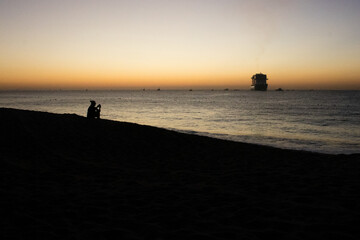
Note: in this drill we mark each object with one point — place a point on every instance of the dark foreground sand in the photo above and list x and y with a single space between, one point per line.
67 177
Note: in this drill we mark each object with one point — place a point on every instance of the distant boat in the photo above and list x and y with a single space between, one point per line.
279 89
158 89
259 82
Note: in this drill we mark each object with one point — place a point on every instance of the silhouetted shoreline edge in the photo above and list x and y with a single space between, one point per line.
68 177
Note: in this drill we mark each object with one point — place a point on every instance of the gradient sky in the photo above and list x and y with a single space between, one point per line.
132 44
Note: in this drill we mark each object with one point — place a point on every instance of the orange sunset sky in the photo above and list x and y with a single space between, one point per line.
200 44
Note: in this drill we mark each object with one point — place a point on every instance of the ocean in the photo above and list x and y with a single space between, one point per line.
318 121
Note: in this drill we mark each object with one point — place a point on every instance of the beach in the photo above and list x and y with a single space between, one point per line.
67 177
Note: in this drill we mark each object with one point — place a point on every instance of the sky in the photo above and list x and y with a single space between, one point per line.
179 44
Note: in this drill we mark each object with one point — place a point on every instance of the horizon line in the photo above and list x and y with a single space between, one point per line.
164 89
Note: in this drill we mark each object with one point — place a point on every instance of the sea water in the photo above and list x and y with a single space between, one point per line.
319 121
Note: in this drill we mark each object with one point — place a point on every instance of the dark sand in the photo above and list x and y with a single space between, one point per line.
67 177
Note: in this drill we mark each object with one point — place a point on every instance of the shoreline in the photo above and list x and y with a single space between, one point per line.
68 177
230 138
218 136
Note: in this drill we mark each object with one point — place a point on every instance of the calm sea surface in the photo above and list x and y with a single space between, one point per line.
320 121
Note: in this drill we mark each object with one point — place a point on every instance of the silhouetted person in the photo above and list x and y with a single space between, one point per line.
94 112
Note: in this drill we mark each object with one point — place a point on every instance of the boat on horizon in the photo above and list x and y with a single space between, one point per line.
259 82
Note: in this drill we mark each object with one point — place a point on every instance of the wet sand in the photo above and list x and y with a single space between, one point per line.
66 177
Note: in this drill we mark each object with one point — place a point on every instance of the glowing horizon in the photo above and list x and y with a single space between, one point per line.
179 44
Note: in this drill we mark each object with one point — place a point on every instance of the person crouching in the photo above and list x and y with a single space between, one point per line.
93 112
